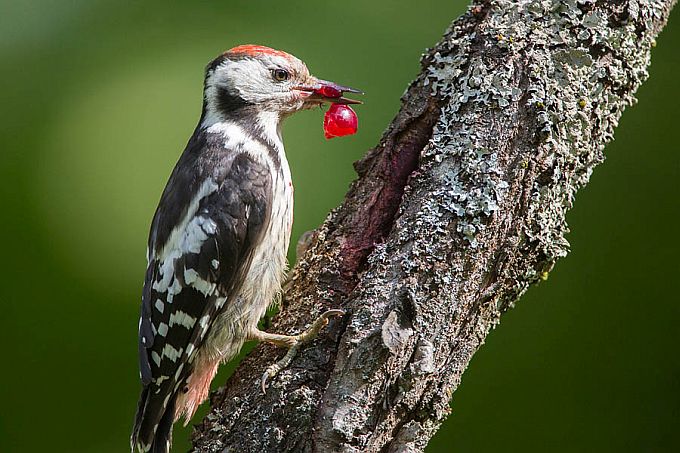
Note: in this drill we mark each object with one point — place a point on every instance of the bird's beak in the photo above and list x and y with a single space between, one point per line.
321 91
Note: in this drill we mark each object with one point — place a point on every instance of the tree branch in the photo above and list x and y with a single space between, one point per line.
455 213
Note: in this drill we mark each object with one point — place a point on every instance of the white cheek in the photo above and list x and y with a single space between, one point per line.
249 78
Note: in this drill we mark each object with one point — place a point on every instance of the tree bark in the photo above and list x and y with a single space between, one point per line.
457 211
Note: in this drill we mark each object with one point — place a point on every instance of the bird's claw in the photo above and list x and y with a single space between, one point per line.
274 369
317 325
300 339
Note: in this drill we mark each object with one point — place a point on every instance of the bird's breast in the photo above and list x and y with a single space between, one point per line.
269 265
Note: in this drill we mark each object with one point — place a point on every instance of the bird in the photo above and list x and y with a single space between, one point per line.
216 255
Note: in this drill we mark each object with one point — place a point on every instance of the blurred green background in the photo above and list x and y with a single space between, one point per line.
98 99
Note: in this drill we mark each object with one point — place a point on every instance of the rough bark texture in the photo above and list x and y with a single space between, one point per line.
455 213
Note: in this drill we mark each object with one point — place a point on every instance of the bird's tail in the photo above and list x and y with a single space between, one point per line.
152 432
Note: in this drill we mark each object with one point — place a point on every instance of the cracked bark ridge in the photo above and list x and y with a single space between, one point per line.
457 211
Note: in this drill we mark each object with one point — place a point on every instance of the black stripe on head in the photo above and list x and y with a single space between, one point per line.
224 57
229 102
214 64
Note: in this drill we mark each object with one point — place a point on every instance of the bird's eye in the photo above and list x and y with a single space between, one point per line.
280 75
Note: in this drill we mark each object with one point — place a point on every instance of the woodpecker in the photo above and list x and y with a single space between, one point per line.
219 237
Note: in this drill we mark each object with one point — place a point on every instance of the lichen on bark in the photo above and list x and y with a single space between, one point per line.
455 213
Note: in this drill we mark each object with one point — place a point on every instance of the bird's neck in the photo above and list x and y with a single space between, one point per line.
227 109
259 131
262 123
269 123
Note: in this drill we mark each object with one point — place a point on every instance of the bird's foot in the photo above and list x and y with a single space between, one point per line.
292 342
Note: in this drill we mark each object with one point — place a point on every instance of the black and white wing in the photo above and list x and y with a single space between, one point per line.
212 212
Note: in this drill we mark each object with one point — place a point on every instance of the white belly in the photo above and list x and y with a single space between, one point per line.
262 284
268 269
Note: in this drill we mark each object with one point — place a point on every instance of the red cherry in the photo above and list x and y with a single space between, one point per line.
339 120
329 91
